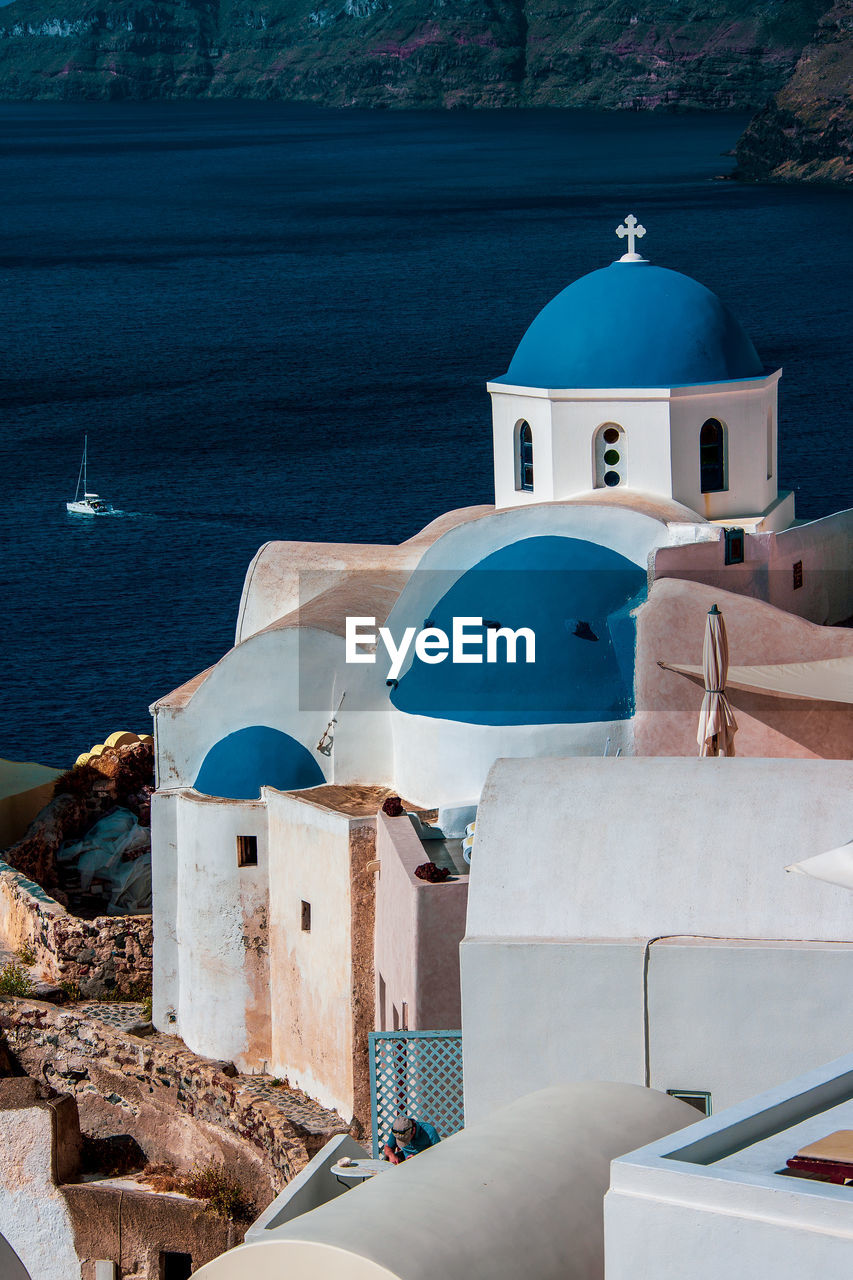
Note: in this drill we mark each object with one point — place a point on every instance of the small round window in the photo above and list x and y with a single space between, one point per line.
609 461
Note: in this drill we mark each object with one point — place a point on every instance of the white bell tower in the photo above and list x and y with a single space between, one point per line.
636 377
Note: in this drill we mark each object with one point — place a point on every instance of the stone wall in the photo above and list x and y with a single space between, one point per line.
134 1228
60 1226
362 847
180 1108
107 955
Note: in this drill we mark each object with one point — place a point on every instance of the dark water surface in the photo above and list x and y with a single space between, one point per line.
277 322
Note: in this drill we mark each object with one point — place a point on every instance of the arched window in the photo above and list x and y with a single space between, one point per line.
712 457
523 456
610 460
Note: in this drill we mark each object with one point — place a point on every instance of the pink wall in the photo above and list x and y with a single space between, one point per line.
418 930
671 627
825 548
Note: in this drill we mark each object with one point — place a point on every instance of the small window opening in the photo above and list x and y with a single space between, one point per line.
175 1266
712 457
770 449
609 449
306 917
524 456
697 1098
247 851
798 575
734 546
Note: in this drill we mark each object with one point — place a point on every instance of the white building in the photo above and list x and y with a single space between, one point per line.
641 912
686 1207
609 550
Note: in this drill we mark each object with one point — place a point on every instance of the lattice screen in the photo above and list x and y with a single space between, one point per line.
416 1073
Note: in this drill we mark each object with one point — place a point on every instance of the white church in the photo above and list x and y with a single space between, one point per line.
635 487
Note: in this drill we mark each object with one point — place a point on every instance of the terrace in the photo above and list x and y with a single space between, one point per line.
730 1188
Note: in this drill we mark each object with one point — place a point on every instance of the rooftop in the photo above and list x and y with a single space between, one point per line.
747 1147
588 335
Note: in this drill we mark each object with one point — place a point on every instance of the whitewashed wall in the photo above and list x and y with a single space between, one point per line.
743 408
582 868
659 846
655 1240
417 933
34 1215
536 408
721 1013
563 425
164 906
824 547
223 1008
290 679
679 1209
311 977
538 1012
438 762
660 445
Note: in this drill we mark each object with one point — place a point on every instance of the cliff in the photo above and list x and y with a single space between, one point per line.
806 132
407 53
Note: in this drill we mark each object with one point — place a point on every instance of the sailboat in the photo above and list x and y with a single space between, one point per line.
89 504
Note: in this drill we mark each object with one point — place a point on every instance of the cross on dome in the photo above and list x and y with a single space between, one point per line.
634 231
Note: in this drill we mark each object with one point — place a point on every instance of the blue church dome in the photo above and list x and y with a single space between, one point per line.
578 598
238 766
633 325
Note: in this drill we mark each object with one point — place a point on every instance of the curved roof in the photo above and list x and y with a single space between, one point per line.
517 1194
575 598
237 766
633 325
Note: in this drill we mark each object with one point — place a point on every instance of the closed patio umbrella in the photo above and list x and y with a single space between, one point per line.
717 725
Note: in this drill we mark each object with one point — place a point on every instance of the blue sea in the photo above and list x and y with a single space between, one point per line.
278 322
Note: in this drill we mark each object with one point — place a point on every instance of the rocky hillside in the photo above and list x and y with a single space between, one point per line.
806 132
730 54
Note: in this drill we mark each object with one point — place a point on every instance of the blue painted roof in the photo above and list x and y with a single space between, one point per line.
238 766
578 599
633 325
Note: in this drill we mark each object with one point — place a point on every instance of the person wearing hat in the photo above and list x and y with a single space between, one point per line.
407 1138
